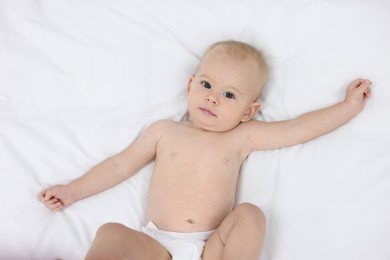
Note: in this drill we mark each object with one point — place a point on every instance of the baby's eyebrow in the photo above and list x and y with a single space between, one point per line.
204 76
235 89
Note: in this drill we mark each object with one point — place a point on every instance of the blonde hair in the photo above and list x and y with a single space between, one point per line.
242 51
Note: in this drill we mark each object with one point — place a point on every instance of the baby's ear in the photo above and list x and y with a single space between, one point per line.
251 111
189 82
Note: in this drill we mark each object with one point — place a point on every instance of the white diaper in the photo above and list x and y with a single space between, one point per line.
181 246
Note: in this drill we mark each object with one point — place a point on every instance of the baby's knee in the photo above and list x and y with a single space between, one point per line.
251 213
109 229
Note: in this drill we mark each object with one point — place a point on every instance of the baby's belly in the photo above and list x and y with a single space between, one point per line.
179 210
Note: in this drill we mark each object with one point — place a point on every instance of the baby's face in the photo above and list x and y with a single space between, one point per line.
223 92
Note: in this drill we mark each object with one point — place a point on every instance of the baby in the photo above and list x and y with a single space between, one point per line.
192 189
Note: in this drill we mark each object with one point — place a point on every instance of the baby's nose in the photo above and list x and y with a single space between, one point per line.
213 99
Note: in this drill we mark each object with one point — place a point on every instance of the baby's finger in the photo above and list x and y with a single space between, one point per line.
57 206
41 195
54 204
362 87
356 83
51 202
367 92
48 195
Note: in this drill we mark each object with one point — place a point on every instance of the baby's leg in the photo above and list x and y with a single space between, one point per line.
116 241
240 236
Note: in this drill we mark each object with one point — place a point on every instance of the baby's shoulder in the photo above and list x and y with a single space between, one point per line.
156 130
162 126
249 126
163 123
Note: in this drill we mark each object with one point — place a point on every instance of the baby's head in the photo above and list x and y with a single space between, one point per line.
226 85
241 52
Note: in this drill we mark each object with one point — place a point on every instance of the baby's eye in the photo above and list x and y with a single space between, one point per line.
229 95
205 84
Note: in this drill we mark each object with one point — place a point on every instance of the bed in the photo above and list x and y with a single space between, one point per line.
80 79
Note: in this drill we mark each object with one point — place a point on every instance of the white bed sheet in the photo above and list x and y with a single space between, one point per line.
80 79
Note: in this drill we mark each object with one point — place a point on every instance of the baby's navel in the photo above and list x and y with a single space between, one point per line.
191 221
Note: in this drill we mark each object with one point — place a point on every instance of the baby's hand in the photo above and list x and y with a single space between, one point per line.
357 92
57 197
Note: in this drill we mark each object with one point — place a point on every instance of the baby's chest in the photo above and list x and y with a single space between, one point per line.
201 151
200 158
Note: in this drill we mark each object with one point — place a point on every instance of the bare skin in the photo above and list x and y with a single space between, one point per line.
198 161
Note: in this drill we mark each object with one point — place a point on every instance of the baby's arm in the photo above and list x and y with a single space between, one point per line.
106 174
263 135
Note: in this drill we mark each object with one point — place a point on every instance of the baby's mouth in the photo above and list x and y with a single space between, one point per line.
207 112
